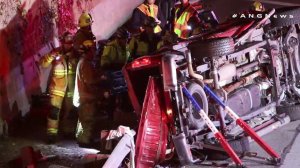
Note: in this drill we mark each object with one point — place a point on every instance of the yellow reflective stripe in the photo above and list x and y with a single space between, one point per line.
60 70
182 19
52 130
70 94
71 72
157 29
58 93
152 14
52 126
49 59
177 31
59 73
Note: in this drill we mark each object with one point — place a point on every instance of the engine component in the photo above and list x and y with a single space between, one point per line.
194 119
226 73
213 128
245 99
169 72
245 68
243 81
256 121
183 149
276 159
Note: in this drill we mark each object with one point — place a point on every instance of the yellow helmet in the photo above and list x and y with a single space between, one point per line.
88 43
258 6
85 19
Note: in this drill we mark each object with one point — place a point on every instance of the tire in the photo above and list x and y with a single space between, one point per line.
240 146
195 120
212 47
287 11
292 111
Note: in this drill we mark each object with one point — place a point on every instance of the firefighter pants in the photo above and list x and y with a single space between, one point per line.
91 121
66 121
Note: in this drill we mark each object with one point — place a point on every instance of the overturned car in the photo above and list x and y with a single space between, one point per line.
194 98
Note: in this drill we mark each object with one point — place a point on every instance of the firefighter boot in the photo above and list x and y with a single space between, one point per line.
52 130
85 128
68 119
52 125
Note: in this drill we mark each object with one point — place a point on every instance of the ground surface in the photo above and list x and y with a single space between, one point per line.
31 131
284 140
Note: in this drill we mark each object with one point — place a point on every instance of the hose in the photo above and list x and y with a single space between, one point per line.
199 80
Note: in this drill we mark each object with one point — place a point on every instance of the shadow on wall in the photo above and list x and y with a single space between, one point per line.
108 15
20 41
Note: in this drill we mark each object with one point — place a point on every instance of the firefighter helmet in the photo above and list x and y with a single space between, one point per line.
258 6
88 43
85 20
122 33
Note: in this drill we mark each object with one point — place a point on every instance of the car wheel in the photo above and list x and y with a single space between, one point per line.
288 20
212 47
292 111
195 120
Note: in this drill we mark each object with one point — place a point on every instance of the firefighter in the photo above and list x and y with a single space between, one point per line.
146 42
115 53
185 20
91 84
167 39
84 33
257 7
64 62
145 10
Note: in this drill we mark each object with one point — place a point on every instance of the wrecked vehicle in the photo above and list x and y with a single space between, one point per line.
251 65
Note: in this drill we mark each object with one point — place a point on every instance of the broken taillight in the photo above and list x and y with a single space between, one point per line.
141 62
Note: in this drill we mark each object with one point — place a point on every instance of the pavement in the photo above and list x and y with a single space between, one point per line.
284 140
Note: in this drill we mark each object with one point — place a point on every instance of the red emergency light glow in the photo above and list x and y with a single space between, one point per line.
141 62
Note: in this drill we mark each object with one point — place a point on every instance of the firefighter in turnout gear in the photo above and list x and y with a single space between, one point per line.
257 6
185 20
145 10
84 33
146 42
90 95
61 87
115 53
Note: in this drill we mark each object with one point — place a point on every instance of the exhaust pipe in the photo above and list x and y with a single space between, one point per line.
190 67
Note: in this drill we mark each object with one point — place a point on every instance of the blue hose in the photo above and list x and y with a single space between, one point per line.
214 96
191 98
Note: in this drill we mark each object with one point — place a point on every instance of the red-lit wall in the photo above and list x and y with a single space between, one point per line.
27 28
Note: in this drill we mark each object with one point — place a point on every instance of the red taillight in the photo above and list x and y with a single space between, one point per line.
141 62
